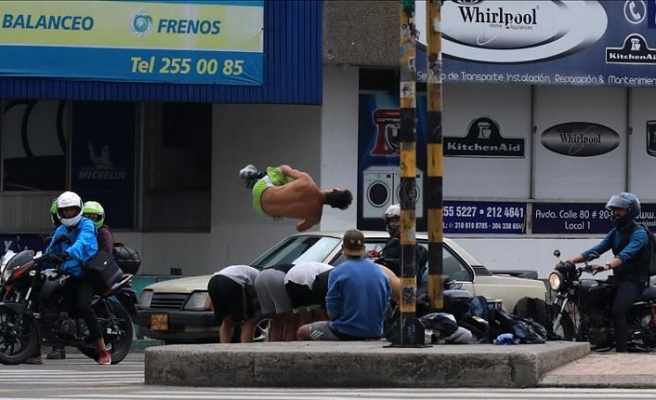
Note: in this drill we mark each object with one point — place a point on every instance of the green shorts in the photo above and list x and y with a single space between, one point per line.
274 177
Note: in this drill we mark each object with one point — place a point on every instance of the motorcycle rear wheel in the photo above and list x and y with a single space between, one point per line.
17 348
119 341
565 328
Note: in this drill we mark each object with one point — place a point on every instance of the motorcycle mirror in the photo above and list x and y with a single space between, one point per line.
556 253
593 256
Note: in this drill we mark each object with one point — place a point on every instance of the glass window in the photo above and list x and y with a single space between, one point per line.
34 135
175 135
298 249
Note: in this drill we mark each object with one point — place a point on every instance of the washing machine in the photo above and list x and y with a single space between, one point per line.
377 190
419 201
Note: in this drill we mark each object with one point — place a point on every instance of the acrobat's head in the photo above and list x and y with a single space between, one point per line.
338 198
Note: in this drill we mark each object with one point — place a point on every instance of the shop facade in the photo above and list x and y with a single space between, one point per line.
544 119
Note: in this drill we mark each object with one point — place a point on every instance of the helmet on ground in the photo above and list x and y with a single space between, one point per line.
94 211
53 214
392 219
626 201
67 200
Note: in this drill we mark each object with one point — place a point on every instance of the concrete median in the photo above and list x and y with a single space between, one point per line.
355 364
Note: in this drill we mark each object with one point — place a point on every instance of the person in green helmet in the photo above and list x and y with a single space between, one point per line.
53 214
95 212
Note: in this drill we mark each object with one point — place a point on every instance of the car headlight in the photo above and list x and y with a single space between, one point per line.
556 281
197 301
145 299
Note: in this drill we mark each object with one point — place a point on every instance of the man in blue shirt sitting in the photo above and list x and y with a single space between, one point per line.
358 296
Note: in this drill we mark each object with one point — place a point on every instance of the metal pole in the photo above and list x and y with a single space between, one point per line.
412 333
434 188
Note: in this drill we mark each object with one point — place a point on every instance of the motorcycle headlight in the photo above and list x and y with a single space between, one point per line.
556 281
6 274
197 301
145 298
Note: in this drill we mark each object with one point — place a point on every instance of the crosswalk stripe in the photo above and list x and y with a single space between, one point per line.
381 394
105 376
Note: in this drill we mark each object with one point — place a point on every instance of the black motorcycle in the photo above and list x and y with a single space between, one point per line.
35 307
581 310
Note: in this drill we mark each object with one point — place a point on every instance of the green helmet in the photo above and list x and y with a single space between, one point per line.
54 217
93 210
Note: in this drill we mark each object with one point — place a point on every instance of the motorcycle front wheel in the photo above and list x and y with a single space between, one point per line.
18 341
564 329
117 329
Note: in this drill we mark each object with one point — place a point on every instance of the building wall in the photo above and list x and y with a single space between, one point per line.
339 141
262 135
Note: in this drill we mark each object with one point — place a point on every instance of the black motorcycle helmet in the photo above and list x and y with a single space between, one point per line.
626 201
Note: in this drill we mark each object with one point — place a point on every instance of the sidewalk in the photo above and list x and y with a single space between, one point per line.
605 370
356 364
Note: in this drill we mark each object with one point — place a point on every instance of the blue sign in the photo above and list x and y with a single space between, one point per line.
103 158
481 217
379 175
199 42
546 42
581 218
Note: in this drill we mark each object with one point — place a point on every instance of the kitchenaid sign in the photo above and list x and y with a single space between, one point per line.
520 31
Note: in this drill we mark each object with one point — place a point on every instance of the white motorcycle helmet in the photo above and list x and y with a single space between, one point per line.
69 199
392 211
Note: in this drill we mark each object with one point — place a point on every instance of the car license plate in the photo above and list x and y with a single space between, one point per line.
159 322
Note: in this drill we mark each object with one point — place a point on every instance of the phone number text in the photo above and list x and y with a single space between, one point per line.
486 212
185 66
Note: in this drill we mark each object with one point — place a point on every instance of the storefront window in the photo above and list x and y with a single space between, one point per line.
177 166
34 136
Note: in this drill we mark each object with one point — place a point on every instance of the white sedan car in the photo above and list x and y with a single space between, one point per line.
178 310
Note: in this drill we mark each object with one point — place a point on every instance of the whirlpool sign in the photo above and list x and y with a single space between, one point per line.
543 42
195 41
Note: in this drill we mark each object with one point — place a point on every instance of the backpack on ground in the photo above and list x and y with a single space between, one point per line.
524 329
535 309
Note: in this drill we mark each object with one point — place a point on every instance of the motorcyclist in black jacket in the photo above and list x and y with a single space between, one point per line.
391 252
630 246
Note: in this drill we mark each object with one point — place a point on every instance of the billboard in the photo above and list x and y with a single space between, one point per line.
570 42
193 42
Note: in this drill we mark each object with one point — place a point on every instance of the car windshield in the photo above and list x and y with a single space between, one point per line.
298 249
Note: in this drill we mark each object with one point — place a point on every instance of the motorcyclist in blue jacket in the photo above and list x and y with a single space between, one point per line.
79 247
630 246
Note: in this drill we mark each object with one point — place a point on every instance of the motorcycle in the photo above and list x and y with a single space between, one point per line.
581 310
35 307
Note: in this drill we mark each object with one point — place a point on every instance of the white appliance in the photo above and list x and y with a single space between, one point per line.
381 186
377 190
419 200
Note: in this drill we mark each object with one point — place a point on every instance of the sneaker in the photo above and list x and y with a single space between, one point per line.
247 172
250 175
105 359
58 353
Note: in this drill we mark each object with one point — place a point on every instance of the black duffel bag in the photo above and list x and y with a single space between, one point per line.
127 258
104 269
